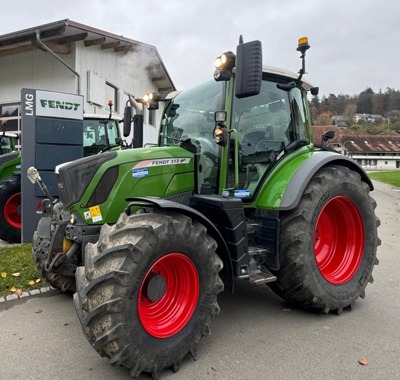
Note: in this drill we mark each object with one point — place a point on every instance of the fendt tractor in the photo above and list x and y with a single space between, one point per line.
235 190
100 133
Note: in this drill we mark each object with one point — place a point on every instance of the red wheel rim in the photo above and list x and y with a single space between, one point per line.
339 240
165 317
12 211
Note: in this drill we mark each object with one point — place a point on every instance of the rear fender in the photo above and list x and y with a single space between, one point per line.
302 176
222 250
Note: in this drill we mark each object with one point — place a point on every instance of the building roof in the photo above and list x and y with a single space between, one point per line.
360 143
59 35
370 143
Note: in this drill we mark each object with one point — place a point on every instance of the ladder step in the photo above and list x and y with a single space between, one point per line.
261 277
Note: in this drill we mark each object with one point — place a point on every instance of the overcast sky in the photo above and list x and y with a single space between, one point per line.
355 44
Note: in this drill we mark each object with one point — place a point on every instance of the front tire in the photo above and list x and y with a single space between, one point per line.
10 209
328 243
148 290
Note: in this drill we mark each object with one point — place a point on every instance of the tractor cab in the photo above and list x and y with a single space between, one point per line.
8 141
258 126
100 133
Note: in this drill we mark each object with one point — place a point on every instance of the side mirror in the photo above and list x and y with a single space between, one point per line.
314 91
328 135
248 69
127 121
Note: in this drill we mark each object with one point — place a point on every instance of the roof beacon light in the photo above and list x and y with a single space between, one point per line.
303 45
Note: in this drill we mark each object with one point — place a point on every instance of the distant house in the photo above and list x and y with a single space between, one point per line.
373 152
369 118
340 121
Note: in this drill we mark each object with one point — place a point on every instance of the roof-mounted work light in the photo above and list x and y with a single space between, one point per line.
224 65
151 100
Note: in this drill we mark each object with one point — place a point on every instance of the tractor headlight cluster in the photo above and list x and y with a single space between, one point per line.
151 100
220 132
224 65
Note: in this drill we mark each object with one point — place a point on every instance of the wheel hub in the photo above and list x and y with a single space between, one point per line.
155 287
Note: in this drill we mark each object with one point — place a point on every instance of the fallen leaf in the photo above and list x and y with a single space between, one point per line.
3 274
18 292
17 274
38 311
31 282
363 361
38 280
13 289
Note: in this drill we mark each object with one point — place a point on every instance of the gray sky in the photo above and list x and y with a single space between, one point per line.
354 43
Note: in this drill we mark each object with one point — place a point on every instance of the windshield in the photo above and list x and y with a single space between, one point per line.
98 134
189 122
6 144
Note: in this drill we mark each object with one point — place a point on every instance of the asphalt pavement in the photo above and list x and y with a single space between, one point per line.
256 336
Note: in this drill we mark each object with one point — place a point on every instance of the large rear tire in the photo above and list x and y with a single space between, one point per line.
10 209
148 290
328 243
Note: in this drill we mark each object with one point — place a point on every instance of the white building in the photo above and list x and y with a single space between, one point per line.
65 56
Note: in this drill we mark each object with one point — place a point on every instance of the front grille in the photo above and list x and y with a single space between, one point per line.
74 177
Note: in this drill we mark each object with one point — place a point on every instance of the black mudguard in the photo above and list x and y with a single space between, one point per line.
306 171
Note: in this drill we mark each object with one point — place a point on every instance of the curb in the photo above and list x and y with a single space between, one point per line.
33 292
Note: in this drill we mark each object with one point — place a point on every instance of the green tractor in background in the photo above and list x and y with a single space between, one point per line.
10 162
100 133
235 189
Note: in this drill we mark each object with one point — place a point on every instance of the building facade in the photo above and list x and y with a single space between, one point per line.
66 56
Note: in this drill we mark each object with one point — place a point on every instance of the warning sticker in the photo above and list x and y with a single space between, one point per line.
140 173
87 215
96 214
162 162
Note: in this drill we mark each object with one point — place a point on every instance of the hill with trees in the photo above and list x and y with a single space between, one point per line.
385 104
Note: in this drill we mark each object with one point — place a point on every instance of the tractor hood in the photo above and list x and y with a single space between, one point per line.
96 187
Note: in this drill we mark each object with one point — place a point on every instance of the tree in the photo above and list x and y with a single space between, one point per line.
364 102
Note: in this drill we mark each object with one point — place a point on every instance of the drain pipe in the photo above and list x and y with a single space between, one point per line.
42 46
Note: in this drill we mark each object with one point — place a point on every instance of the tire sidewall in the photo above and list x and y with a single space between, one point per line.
353 191
184 337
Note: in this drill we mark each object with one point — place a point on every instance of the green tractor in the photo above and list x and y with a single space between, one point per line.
10 162
147 238
100 133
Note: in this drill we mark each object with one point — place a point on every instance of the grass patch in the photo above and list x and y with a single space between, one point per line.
17 270
391 177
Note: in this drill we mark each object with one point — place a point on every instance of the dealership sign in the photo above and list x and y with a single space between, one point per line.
60 105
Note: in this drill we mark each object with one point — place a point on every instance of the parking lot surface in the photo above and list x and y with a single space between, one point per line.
256 336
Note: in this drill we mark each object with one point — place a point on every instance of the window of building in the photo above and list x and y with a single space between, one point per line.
10 114
152 117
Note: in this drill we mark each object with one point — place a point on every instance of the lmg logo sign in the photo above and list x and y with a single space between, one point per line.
56 104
